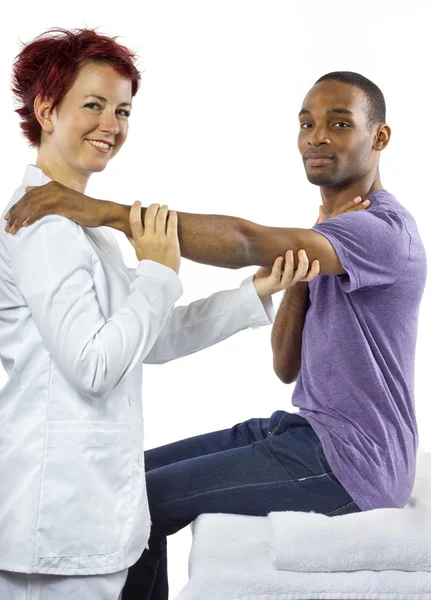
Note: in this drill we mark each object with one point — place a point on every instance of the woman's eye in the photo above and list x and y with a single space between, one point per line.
93 105
123 112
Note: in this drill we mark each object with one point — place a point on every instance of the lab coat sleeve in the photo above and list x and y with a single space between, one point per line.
53 265
132 274
209 321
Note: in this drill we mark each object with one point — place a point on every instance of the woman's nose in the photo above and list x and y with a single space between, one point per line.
109 123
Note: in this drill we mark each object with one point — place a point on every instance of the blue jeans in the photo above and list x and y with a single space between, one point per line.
256 467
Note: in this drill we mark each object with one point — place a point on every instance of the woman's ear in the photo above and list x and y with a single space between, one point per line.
42 111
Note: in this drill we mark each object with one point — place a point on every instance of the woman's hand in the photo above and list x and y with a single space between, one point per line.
269 281
158 241
54 198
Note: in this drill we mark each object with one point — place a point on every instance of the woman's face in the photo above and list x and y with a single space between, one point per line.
90 124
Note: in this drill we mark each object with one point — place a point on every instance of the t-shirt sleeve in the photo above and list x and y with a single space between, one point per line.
373 247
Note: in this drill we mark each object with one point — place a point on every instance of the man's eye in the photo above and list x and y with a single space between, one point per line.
305 125
341 125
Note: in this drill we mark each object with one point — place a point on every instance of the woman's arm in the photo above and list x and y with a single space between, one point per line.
53 267
209 321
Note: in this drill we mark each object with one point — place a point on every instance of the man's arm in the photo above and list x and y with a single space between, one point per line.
211 239
233 242
286 335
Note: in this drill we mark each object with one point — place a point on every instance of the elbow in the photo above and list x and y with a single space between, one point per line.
286 377
90 382
94 390
286 373
245 253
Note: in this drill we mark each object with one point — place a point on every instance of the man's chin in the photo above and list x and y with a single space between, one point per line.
321 179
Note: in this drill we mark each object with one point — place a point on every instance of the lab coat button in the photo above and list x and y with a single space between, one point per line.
130 400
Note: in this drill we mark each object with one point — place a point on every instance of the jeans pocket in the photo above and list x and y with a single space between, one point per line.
276 421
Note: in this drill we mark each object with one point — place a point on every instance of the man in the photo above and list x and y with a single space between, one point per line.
348 337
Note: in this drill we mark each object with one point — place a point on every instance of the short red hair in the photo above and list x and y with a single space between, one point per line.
49 64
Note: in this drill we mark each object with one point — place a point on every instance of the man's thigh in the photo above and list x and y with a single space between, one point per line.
237 436
286 471
21 586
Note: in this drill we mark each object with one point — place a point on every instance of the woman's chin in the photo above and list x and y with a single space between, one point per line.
95 166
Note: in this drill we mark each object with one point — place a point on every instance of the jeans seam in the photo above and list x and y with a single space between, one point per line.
236 487
272 432
328 514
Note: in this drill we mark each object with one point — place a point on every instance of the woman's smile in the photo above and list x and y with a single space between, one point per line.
100 146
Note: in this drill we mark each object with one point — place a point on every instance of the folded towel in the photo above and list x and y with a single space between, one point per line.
230 560
376 540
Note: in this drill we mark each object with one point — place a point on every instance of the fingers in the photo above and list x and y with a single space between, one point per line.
303 271
288 271
351 206
313 272
135 219
160 219
172 225
362 205
150 217
302 267
276 271
12 212
357 204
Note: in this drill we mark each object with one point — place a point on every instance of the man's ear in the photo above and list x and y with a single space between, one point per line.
382 137
42 111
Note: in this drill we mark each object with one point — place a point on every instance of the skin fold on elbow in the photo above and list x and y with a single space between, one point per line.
286 373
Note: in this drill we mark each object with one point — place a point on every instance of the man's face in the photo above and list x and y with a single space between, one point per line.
335 140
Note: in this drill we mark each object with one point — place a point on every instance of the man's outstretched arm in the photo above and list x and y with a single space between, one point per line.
211 239
233 242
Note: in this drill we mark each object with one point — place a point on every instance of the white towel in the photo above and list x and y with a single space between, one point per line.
376 540
230 560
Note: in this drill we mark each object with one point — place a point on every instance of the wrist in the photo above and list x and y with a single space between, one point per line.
259 288
299 289
114 215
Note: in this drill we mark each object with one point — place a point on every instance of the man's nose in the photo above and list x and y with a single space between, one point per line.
319 136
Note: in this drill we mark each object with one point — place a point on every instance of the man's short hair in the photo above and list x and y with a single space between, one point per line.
375 99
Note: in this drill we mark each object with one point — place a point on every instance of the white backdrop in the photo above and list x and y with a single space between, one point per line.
214 130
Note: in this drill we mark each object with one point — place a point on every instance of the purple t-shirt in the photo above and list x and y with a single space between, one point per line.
355 386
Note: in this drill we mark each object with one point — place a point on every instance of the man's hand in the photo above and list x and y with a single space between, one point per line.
269 281
53 198
351 206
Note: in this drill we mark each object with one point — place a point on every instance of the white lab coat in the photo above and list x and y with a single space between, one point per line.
75 327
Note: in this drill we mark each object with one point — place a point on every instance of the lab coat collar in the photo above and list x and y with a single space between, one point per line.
35 176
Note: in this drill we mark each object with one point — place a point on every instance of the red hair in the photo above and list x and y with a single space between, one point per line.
49 64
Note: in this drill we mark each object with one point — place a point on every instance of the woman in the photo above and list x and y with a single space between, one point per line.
76 327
